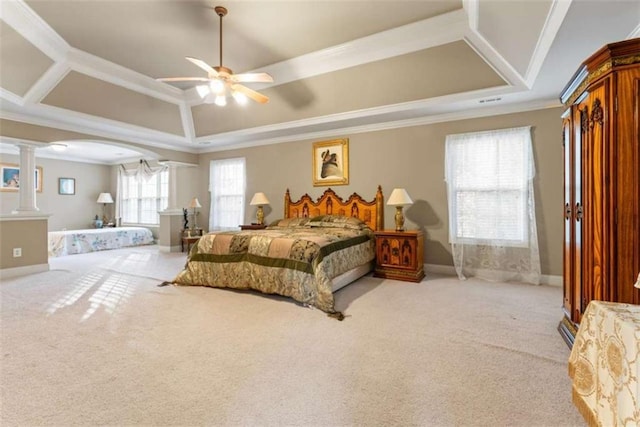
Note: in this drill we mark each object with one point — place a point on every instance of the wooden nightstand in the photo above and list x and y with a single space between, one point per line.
190 236
399 255
253 226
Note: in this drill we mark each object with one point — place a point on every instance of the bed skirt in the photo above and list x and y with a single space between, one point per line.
71 242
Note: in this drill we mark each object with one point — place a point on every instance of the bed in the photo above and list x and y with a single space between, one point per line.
317 248
71 242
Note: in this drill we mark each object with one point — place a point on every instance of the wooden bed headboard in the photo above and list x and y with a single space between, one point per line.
371 213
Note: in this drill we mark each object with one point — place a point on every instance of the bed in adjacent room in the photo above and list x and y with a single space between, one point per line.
319 247
71 242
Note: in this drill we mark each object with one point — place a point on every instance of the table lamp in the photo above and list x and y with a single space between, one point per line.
104 198
399 198
194 204
259 199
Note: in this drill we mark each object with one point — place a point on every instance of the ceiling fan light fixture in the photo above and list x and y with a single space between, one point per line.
221 100
203 90
216 86
220 77
240 98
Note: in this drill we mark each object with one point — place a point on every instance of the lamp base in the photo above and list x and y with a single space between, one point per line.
260 215
399 219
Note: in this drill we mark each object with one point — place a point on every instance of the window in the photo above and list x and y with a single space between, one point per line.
488 178
227 185
492 220
142 197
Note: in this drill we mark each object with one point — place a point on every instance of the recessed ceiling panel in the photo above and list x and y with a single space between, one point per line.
79 92
439 71
153 37
21 63
513 28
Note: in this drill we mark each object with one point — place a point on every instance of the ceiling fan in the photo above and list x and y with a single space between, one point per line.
221 79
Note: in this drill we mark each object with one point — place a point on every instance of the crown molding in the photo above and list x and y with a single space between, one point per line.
388 125
635 33
357 114
45 84
436 31
73 121
7 95
555 18
32 27
110 72
496 61
187 121
472 7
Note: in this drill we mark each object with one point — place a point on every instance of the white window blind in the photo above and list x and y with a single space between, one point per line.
143 197
489 179
488 174
227 186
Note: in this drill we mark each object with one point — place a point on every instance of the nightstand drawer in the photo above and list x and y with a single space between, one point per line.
399 255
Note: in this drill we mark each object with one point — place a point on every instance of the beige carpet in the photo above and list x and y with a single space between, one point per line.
95 342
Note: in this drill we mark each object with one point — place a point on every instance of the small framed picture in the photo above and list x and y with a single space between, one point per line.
67 186
331 162
10 174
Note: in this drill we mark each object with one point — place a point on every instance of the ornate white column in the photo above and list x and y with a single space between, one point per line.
27 190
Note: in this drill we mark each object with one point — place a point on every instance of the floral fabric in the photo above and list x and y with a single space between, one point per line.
296 262
605 364
71 242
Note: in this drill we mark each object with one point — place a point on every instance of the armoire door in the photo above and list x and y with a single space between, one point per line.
597 196
568 285
627 195
579 163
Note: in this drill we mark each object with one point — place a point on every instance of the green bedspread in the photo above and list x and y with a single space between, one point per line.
298 262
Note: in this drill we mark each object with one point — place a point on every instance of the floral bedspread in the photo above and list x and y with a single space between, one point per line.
298 262
70 242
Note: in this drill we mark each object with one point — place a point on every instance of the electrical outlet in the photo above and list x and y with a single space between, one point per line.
17 252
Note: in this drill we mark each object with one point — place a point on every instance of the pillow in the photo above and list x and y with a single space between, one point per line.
290 222
338 221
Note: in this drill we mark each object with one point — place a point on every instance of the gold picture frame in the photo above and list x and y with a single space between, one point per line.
330 160
10 174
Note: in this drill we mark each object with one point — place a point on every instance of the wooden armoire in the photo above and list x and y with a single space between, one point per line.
601 143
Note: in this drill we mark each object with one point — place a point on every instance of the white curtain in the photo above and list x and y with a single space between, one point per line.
227 187
492 222
143 172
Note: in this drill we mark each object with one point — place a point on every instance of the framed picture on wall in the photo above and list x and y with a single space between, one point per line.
331 162
67 186
10 174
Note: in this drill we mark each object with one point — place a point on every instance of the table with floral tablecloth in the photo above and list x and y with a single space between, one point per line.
605 364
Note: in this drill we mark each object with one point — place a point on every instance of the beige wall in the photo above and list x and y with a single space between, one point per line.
67 211
28 234
412 158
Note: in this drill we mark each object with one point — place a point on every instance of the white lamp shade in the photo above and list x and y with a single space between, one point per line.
399 197
105 198
259 199
195 203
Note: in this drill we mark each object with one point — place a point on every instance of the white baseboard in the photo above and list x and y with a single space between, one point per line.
176 248
449 270
7 273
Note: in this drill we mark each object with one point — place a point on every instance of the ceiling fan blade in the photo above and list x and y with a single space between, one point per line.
252 78
200 63
256 96
183 79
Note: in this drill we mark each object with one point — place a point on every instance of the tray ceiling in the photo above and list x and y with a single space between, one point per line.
339 67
